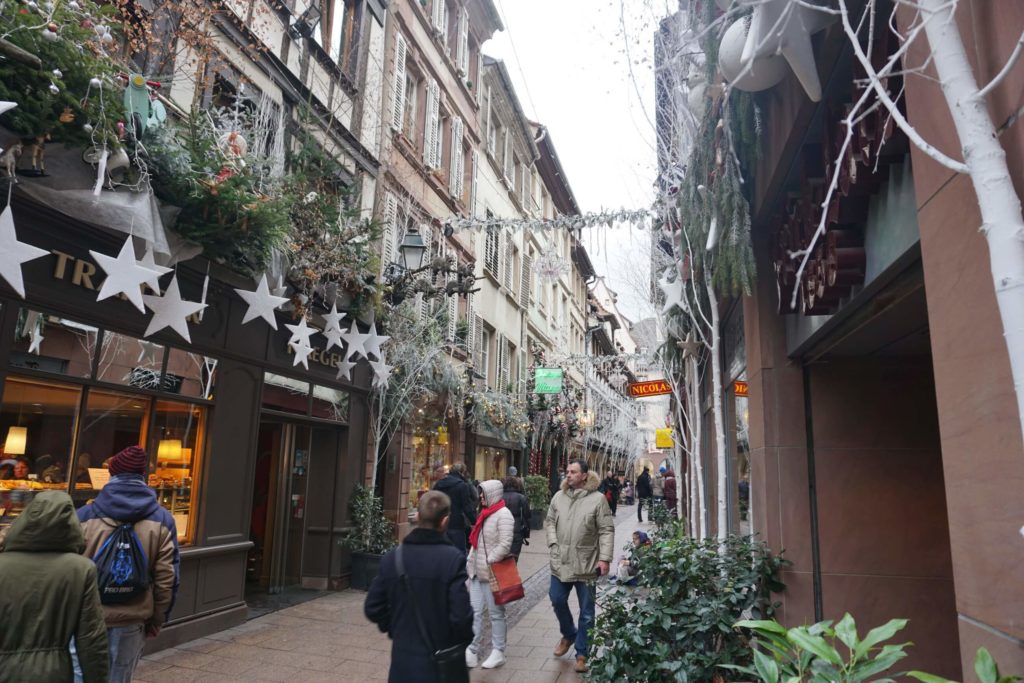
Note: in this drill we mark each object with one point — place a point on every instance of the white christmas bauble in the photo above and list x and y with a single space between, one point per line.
87 128
49 35
32 6
106 38
57 73
54 90
764 73
74 6
95 83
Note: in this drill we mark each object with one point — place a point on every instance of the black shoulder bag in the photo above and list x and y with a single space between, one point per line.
449 663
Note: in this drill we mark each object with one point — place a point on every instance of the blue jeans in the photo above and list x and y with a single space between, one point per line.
559 594
125 644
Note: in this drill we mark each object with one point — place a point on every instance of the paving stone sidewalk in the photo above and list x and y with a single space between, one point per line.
328 639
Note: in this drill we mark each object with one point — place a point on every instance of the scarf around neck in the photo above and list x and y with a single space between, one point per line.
474 535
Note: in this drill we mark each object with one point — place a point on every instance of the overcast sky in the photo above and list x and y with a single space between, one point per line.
568 60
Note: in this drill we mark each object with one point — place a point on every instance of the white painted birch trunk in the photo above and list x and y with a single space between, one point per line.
697 425
1002 223
716 386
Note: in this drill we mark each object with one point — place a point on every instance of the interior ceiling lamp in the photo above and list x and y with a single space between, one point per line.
16 439
307 22
169 450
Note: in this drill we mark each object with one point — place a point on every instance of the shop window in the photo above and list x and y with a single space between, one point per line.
285 394
491 463
133 362
330 404
431 459
37 425
110 423
176 440
191 374
48 343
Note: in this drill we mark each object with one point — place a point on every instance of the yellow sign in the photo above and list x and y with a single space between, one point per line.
654 387
741 388
663 438
442 436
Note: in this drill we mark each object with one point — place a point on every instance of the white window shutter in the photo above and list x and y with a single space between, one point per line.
398 99
479 78
437 12
503 364
428 122
456 170
462 49
389 238
453 312
475 161
426 233
508 157
471 325
508 258
525 284
478 339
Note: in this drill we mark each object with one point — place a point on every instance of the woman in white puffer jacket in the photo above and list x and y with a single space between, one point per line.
490 541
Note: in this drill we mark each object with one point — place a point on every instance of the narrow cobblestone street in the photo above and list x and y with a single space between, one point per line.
329 639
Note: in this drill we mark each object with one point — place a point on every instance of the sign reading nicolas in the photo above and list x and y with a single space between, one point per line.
655 387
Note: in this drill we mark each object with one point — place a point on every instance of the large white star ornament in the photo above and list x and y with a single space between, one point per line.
673 292
13 253
148 261
302 352
345 370
301 334
381 373
374 342
355 342
35 341
170 310
332 330
262 303
783 27
124 275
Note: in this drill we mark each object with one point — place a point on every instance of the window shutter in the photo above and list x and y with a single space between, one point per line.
439 146
525 285
475 162
432 122
401 50
453 312
503 364
437 12
462 49
426 233
479 77
389 237
478 342
456 171
509 262
508 157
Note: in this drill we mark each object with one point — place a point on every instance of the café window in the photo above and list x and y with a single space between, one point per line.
287 395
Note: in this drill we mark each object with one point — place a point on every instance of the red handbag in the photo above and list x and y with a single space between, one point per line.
506 584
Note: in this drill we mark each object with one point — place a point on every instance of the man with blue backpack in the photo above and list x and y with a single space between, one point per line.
134 543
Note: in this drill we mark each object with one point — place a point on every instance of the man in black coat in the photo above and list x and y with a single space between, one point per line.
610 487
519 505
643 492
464 498
436 572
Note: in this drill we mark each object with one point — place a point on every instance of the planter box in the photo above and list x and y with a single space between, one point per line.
536 522
364 568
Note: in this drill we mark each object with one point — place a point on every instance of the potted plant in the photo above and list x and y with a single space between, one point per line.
371 535
538 494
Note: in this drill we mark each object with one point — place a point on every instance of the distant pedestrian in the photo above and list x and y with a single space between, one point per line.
48 596
628 493
671 500
643 492
128 499
463 499
610 487
419 599
519 505
658 485
490 542
581 538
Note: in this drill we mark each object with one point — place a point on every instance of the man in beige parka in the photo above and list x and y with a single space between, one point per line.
581 538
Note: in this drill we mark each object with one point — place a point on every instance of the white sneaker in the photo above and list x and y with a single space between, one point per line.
494 660
471 659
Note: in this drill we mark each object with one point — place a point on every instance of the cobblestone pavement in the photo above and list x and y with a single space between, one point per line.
328 639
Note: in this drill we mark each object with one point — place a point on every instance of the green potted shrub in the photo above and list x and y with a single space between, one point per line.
370 536
539 495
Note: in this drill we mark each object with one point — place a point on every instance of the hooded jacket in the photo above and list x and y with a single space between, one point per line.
581 531
48 594
463 498
127 498
496 535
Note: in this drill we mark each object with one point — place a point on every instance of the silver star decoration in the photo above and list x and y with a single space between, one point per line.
381 373
773 31
302 351
374 341
124 275
262 303
35 341
300 334
333 328
345 370
149 261
147 352
170 310
673 292
355 342
14 253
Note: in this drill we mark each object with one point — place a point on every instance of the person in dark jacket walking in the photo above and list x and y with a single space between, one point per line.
128 499
463 497
610 487
436 573
643 492
517 503
48 595
671 499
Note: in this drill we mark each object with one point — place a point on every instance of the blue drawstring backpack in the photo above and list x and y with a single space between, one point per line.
122 571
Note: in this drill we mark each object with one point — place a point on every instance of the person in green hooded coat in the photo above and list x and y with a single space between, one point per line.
48 594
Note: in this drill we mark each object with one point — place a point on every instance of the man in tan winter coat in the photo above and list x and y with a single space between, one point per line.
581 538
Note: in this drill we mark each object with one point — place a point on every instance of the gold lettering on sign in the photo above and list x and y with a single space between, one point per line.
62 263
82 276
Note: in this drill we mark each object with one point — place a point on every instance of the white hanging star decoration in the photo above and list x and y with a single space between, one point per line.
149 261
14 253
783 27
355 342
302 351
673 292
345 370
262 303
170 310
381 373
333 330
374 342
35 341
301 334
125 275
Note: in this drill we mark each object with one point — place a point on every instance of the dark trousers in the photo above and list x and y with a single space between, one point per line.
458 538
640 509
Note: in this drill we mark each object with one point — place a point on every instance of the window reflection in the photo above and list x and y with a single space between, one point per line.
110 423
285 394
37 425
131 362
52 344
177 440
330 404
190 374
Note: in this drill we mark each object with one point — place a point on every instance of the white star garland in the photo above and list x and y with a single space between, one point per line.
374 342
550 267
14 253
637 218
170 310
149 261
262 303
332 330
124 275
381 373
345 370
673 291
355 342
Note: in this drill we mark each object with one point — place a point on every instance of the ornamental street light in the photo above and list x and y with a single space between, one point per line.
401 276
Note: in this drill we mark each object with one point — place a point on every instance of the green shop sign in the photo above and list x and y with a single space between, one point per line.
548 381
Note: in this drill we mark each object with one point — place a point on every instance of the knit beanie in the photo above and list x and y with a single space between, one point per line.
132 460
493 491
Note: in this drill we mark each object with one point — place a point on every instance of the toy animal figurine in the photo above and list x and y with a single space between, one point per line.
9 160
37 147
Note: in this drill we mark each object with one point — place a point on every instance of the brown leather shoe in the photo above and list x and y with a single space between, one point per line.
581 665
563 646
